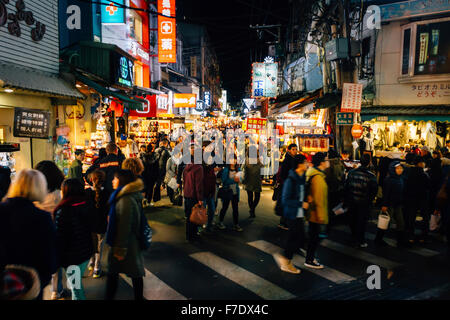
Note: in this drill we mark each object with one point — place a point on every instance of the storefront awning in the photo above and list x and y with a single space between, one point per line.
134 104
406 113
21 78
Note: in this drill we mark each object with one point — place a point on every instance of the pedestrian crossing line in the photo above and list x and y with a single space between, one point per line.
359 254
327 273
420 251
431 293
156 289
242 277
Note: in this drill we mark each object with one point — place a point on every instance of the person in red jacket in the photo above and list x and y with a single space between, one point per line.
193 193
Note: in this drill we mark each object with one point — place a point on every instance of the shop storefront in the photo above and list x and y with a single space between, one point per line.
30 79
389 130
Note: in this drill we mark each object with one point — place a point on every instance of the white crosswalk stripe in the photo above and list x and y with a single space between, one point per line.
242 277
327 273
359 254
420 251
155 289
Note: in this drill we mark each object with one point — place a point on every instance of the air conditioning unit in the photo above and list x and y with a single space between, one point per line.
336 49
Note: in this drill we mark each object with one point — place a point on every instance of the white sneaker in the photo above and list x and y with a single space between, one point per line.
314 264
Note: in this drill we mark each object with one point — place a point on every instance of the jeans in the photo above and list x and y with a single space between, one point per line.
77 293
98 239
57 285
234 199
358 215
253 200
210 203
296 237
191 229
112 282
313 242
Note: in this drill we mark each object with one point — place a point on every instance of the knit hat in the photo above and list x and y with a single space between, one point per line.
20 283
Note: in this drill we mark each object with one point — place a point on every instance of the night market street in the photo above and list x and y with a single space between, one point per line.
177 270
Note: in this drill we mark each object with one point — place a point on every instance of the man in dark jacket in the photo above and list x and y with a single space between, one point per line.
163 155
193 193
76 168
360 190
110 164
393 203
417 189
287 164
292 199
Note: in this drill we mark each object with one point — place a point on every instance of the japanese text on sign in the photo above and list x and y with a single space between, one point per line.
351 97
167 40
31 123
434 90
265 80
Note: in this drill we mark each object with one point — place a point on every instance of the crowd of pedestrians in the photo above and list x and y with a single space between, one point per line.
94 220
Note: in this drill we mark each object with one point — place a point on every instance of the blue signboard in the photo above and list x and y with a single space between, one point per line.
112 13
413 8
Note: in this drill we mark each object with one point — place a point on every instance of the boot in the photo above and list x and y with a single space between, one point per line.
379 238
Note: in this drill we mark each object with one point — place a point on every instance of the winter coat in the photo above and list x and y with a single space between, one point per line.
417 185
151 167
127 233
227 182
361 186
73 231
318 211
28 237
209 181
193 182
171 171
98 216
393 188
76 170
335 176
252 177
163 156
50 202
110 164
291 196
287 164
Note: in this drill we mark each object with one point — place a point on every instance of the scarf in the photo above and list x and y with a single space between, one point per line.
110 230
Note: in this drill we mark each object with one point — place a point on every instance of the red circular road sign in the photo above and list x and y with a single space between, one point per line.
357 131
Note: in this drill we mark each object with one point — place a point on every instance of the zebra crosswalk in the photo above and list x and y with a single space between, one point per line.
263 279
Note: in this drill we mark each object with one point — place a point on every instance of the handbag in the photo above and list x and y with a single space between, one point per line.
172 184
198 215
383 221
178 198
276 192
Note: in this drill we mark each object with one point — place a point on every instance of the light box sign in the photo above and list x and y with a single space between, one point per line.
113 13
31 123
123 69
185 100
264 80
167 34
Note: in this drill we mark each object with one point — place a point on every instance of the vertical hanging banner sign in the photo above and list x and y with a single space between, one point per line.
351 97
167 33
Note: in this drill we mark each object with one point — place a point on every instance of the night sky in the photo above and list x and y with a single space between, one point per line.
236 45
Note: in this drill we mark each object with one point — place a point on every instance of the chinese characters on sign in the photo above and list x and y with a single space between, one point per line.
255 125
185 100
167 35
344 118
31 123
37 33
434 90
351 97
265 79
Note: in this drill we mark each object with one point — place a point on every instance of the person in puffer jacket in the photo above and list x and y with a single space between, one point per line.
393 203
360 190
